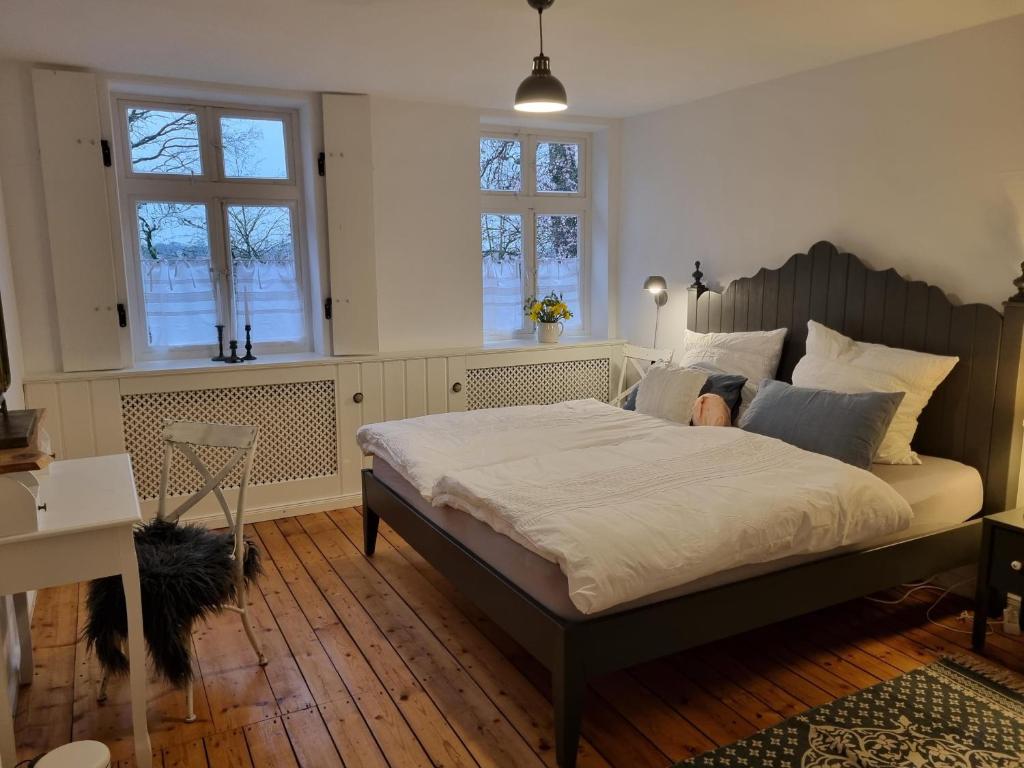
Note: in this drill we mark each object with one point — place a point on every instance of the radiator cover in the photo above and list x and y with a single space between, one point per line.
537 383
298 432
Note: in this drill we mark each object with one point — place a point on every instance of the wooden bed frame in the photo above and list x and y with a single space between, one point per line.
975 417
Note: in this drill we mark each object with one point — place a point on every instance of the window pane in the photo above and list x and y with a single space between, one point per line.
164 141
500 169
501 242
254 148
558 167
266 283
177 287
558 261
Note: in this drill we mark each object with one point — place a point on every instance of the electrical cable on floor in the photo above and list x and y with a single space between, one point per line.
962 617
927 585
905 595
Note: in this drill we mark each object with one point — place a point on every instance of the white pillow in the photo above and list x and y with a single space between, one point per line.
839 363
669 392
753 354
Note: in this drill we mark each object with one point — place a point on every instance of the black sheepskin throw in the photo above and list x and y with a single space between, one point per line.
185 573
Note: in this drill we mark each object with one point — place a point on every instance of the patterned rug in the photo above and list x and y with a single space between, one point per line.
944 715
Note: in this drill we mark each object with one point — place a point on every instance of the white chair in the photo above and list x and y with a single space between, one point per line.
184 437
640 359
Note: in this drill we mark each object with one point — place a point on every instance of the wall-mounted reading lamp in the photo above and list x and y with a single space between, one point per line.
656 285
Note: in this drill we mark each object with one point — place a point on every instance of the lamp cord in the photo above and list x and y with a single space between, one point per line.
657 316
540 23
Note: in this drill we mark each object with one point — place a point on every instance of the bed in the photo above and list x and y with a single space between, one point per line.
970 432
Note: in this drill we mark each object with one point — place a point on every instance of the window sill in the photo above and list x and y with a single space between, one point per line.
306 359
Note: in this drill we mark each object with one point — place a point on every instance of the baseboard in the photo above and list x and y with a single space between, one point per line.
278 511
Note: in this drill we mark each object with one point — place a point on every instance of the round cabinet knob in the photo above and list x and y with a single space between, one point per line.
1016 565
456 387
357 397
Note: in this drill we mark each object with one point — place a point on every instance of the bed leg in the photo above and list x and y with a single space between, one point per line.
568 684
371 522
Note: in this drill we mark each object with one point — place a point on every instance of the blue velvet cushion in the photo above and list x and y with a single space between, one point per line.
728 386
846 427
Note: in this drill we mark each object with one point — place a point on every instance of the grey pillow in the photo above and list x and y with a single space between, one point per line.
846 427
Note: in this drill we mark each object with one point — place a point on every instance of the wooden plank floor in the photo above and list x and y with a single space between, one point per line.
377 663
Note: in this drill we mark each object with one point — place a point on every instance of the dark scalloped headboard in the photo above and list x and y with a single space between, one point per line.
975 416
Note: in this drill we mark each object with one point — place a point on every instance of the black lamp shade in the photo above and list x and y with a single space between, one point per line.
541 91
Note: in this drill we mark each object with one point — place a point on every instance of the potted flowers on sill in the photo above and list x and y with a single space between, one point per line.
547 314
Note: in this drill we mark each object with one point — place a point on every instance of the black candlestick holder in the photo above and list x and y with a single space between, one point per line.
220 344
234 358
248 343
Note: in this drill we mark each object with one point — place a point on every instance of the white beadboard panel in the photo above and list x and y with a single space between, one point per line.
437 385
348 150
43 395
415 388
78 219
457 380
76 419
108 426
350 418
372 380
394 390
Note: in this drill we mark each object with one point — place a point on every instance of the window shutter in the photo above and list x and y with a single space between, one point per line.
78 218
350 237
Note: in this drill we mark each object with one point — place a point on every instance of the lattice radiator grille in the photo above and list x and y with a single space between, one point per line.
298 432
537 383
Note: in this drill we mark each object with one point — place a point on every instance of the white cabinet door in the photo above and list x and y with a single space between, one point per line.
372 387
457 383
350 398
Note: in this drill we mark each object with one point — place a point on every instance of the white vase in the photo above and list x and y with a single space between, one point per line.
548 333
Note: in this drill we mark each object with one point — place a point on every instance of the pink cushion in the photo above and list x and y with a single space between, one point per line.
710 411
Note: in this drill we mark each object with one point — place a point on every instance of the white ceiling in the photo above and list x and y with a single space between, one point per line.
615 57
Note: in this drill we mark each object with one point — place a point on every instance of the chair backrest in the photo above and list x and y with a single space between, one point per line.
639 359
184 437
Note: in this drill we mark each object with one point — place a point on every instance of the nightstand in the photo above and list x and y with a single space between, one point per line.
1000 567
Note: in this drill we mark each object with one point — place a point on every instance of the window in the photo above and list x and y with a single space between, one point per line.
534 202
211 202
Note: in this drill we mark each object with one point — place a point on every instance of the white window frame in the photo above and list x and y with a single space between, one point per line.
528 203
216 191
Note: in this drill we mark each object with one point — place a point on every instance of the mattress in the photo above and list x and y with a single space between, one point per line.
941 492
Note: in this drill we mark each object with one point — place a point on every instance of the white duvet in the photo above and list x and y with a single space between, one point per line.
624 521
628 505
425 448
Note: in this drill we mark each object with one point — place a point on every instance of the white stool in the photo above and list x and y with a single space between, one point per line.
77 754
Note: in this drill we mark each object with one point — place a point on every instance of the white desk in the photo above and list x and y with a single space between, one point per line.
85 532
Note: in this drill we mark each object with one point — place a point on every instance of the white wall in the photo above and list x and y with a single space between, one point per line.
912 158
426 225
